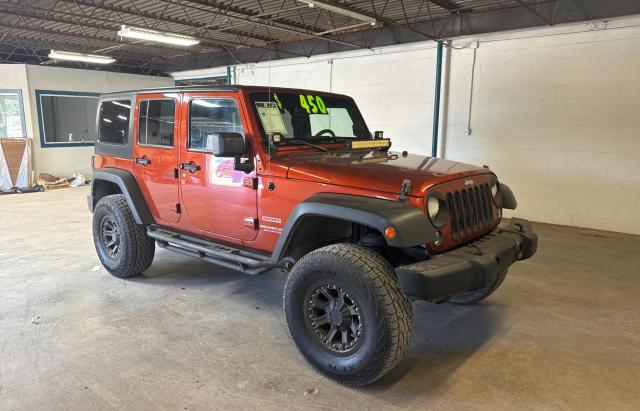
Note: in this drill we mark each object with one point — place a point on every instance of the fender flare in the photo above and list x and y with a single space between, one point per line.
411 224
129 188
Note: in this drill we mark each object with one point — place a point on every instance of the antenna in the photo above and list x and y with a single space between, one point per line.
269 78
271 183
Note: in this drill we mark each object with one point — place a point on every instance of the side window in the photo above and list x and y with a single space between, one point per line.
114 122
155 122
211 116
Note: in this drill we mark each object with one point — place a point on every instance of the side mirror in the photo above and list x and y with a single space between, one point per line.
232 145
228 144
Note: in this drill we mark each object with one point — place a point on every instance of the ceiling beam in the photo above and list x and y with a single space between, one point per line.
270 23
535 12
173 20
36 29
218 44
445 4
382 19
163 18
224 10
35 49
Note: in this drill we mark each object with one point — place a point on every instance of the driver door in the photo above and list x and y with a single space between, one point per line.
218 199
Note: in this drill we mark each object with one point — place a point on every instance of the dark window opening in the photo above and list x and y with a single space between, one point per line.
114 120
156 122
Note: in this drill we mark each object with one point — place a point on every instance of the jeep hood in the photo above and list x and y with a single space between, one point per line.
375 170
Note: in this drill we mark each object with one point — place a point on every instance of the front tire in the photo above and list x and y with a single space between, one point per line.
347 313
123 246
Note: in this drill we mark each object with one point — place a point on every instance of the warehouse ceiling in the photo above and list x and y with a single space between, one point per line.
244 31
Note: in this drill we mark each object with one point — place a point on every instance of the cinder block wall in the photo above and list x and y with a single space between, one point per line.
556 114
555 111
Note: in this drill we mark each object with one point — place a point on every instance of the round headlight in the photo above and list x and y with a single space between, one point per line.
433 207
495 192
437 209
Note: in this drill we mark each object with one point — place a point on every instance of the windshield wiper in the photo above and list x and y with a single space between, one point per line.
297 140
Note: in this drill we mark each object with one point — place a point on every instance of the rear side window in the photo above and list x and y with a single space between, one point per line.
211 116
155 122
113 123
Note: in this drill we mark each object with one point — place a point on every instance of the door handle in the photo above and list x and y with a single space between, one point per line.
142 160
190 167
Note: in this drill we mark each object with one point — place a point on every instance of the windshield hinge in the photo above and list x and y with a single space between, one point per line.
405 189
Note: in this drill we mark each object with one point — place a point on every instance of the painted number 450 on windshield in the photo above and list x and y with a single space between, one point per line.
313 104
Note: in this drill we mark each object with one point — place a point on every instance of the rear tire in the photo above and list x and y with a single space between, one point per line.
472 297
123 246
354 291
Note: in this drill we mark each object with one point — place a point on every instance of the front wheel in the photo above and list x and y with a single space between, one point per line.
347 313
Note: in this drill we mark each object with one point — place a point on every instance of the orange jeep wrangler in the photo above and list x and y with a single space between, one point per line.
255 178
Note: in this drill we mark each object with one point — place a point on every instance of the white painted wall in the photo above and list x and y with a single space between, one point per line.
555 111
556 114
64 161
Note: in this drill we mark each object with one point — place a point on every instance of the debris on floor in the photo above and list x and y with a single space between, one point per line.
36 188
96 268
51 182
310 392
78 180
35 320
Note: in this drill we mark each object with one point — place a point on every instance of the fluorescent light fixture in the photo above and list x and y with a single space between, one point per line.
121 117
157 36
86 58
107 120
117 103
340 10
205 103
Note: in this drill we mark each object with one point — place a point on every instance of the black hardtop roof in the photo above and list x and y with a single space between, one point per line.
179 89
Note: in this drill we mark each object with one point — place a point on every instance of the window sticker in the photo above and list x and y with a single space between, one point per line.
278 102
270 117
313 104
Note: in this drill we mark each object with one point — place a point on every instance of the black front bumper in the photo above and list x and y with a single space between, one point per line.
470 267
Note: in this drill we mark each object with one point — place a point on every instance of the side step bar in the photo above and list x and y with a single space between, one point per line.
215 253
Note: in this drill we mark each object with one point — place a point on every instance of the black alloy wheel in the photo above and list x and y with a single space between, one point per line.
335 318
110 234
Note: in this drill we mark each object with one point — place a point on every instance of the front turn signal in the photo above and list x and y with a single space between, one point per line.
390 233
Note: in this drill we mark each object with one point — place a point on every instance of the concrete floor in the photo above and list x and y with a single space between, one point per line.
563 332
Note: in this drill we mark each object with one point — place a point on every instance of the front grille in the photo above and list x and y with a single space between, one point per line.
470 209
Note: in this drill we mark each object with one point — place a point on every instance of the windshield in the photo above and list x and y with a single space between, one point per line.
310 117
